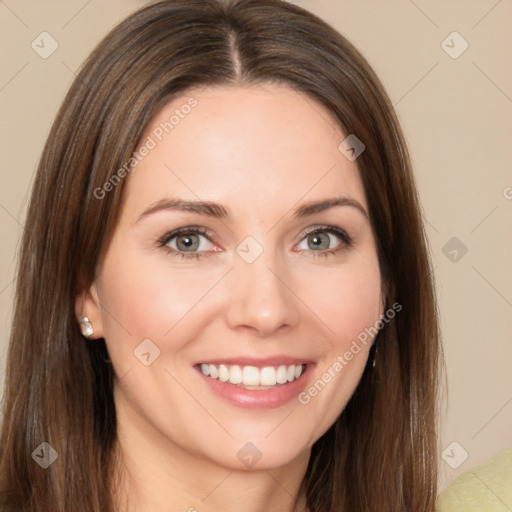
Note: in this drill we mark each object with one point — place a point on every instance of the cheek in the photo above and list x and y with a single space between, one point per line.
148 300
347 300
155 302
358 306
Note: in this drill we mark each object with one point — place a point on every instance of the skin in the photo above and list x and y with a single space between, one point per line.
260 151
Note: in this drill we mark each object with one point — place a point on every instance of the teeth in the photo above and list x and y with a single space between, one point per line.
282 374
235 375
250 376
268 376
253 376
214 373
223 373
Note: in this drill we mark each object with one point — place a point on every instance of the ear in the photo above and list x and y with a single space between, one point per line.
87 304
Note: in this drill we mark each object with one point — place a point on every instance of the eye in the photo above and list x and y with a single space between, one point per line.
187 242
325 240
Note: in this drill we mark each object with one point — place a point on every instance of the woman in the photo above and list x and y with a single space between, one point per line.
224 294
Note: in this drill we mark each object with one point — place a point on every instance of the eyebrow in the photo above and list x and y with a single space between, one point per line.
218 211
320 206
206 208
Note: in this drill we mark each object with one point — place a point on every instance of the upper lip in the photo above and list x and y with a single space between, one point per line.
258 362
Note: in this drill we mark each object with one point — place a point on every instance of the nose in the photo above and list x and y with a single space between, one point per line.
262 298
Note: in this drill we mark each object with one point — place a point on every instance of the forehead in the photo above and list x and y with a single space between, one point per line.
266 144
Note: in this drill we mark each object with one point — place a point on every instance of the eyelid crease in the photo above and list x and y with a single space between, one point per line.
329 229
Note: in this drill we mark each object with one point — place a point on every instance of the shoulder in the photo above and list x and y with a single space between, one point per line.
485 487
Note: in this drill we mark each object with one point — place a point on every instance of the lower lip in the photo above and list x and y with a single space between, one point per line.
269 398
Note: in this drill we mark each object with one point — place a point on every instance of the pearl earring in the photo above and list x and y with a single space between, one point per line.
87 329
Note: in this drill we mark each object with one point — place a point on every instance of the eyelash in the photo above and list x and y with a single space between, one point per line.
163 241
346 241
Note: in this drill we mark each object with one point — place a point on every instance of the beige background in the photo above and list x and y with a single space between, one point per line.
457 117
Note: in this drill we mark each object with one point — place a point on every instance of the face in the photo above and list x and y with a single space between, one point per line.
241 272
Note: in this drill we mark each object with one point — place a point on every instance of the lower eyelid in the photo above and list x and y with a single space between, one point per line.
186 255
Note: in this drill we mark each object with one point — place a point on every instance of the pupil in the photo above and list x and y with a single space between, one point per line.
318 242
187 242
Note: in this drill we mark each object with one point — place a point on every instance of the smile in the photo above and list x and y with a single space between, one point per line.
256 383
253 377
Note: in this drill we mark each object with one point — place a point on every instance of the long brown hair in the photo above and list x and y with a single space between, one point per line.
381 453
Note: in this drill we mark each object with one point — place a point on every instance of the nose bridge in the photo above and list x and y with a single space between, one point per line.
260 297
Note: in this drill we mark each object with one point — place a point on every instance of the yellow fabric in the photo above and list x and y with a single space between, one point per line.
484 488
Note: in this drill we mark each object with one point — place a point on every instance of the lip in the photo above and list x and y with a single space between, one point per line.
270 398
